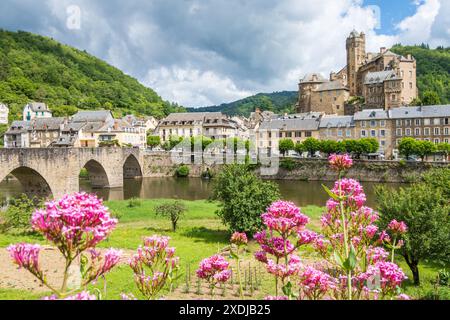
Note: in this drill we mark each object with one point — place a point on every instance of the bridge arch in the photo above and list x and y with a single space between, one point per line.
131 167
97 174
32 182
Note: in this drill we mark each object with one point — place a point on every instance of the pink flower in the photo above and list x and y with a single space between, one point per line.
398 228
281 270
127 297
351 191
403 297
261 256
273 298
306 237
315 283
376 254
85 295
214 269
391 275
26 256
239 239
371 231
75 222
284 217
340 162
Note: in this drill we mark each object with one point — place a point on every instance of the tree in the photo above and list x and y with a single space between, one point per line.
173 210
424 149
286 145
444 148
439 178
153 141
329 146
311 145
243 197
425 211
430 98
369 145
299 148
408 147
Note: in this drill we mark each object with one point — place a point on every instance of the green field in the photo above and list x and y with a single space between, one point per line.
200 234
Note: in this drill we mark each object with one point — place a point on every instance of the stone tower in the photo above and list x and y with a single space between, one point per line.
356 54
307 86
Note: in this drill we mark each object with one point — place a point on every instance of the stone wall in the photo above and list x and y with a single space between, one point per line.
161 165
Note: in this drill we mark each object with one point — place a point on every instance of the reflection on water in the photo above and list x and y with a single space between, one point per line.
301 193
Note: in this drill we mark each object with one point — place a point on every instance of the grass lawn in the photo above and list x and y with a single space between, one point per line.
200 234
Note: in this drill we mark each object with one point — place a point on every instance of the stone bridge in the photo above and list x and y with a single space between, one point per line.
54 172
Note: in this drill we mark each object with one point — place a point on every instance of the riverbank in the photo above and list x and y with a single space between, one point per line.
200 234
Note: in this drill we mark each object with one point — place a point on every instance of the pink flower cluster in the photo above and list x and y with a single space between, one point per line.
398 228
239 239
274 298
340 162
75 222
375 255
80 296
26 256
315 283
391 274
153 265
351 191
284 217
284 271
100 266
214 269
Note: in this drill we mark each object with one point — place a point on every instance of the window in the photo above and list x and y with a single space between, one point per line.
383 143
363 124
446 131
308 134
408 123
289 134
426 131
383 123
446 121
373 123
348 133
418 122
373 133
399 132
398 123
298 134
281 134
417 132
436 121
383 133
437 141
363 133
437 131
408 132
340 133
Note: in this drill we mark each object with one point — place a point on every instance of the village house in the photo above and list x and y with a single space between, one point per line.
337 128
36 110
37 133
297 127
4 113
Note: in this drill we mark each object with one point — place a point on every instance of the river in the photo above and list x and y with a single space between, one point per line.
302 193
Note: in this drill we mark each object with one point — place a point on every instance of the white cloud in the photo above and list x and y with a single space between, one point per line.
207 52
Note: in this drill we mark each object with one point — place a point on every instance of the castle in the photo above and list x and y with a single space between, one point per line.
385 80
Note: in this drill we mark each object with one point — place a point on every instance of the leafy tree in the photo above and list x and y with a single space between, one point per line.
424 148
153 141
430 98
243 198
182 171
438 178
425 211
329 146
311 145
444 148
173 210
369 145
407 147
299 148
18 214
286 145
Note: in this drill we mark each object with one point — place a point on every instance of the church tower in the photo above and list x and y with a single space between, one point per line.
356 54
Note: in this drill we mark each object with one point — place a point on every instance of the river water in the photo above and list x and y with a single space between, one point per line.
302 193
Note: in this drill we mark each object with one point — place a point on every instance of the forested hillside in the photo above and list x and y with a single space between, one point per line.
278 102
36 68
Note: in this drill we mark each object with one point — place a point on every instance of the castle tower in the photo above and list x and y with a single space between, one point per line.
356 53
307 86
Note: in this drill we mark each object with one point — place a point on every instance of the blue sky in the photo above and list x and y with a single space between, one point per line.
206 52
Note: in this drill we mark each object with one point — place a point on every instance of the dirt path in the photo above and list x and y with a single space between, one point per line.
52 263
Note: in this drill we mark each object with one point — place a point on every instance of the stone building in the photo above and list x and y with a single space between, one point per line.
297 127
36 110
385 80
37 133
214 125
375 123
17 135
430 123
4 113
337 128
317 94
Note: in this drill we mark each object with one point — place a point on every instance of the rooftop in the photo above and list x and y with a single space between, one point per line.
298 124
92 116
371 114
420 112
380 77
336 121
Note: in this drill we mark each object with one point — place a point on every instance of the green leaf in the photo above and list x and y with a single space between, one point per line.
330 193
84 261
287 289
338 259
351 261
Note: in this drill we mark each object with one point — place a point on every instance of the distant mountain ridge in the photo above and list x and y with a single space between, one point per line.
278 102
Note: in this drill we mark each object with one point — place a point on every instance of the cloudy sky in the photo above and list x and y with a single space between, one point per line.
206 52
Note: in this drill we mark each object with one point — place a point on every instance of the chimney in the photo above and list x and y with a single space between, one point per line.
383 50
409 56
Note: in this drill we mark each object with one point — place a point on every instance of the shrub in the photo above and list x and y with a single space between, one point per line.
134 203
18 214
288 164
172 210
153 141
242 196
182 171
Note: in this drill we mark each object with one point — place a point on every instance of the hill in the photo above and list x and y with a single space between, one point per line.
279 102
433 69
36 68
